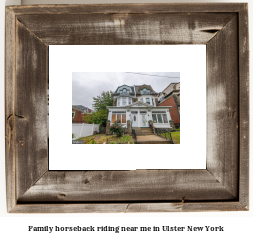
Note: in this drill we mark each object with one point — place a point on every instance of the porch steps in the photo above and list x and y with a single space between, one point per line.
143 131
146 136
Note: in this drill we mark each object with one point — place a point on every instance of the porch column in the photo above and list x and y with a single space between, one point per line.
139 118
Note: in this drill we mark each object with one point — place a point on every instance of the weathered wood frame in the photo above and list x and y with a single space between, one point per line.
222 186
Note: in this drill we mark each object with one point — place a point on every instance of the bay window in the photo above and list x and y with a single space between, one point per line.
119 117
159 117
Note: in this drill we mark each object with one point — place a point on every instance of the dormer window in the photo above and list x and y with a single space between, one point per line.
145 91
124 91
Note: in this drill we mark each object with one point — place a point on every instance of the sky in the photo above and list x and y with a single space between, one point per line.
86 85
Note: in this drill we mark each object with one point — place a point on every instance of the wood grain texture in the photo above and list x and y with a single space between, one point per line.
222 107
9 109
129 8
140 185
122 29
129 207
223 186
30 109
244 106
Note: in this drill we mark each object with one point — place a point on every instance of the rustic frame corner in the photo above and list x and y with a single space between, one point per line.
223 186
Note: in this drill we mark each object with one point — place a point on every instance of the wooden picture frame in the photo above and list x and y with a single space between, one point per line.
223 186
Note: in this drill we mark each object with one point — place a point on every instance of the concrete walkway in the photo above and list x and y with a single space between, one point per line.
151 139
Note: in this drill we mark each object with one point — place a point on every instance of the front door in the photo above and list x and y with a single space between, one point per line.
134 120
143 120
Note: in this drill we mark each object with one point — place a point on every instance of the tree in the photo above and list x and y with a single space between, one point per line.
103 100
100 113
97 117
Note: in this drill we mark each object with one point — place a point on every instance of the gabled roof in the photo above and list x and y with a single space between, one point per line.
138 86
123 86
81 108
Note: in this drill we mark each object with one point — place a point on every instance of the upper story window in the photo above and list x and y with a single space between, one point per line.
145 91
124 101
73 114
148 100
141 99
124 91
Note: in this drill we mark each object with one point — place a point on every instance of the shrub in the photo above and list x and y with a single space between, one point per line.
92 141
117 128
112 142
73 135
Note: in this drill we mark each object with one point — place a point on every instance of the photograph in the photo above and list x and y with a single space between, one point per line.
126 108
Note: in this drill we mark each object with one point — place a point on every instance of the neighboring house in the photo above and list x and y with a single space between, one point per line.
170 96
136 106
78 111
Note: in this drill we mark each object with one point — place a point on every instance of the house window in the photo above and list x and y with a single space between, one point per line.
145 91
141 99
119 116
73 114
123 118
129 100
124 91
118 102
124 102
113 118
154 118
159 117
165 119
153 101
148 100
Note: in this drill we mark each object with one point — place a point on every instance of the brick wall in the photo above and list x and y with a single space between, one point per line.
77 117
173 111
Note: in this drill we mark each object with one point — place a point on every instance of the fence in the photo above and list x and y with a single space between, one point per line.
83 130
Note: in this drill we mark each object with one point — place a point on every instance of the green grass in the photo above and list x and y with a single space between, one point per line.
175 136
109 139
88 138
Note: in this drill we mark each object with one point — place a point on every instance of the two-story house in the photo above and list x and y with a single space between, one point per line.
138 105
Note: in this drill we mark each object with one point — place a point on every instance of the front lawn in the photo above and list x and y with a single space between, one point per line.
108 139
175 136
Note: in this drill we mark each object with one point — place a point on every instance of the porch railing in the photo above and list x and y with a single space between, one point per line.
164 133
134 134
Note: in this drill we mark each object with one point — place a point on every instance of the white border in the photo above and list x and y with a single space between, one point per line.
189 60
